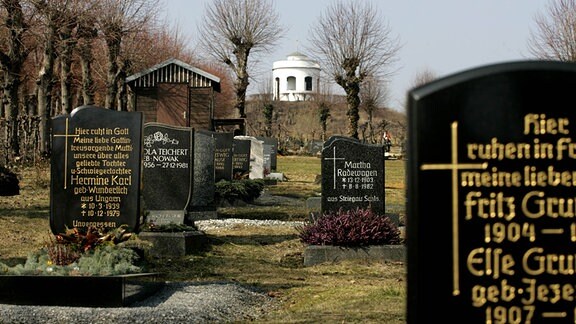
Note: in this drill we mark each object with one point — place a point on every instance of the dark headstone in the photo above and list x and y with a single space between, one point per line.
270 153
241 157
223 156
256 156
204 186
167 172
491 207
95 169
352 176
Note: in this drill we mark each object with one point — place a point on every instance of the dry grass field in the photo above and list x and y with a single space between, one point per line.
269 258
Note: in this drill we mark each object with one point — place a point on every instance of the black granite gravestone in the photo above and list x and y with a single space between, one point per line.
352 176
223 156
167 172
491 204
95 169
256 156
202 204
241 157
270 153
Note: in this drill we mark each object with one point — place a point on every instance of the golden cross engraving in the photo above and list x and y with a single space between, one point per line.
334 158
66 135
454 166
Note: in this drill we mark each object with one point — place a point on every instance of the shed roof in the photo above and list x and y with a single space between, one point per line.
174 71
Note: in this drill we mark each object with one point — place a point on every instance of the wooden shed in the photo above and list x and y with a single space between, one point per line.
175 93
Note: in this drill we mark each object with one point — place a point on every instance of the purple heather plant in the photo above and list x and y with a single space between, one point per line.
350 228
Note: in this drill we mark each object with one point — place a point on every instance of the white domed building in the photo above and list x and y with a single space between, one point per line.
295 79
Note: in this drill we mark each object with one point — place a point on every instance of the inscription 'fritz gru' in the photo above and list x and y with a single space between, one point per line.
491 214
95 169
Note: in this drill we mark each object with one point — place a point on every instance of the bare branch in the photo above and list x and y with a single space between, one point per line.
555 34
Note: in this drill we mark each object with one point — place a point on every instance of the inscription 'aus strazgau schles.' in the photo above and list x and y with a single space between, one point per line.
512 208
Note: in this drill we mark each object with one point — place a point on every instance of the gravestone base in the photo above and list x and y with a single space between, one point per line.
270 182
174 244
201 215
317 254
78 291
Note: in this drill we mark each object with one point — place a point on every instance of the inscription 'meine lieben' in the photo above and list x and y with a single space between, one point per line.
509 216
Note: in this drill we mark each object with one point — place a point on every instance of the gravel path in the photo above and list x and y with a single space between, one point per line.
175 303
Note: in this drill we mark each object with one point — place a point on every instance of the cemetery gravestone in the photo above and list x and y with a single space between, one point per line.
352 176
270 145
256 156
491 213
223 156
95 169
241 157
203 205
167 172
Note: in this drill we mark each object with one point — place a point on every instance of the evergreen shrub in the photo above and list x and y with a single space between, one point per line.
246 190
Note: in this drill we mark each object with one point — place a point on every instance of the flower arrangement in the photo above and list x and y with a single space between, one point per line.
84 253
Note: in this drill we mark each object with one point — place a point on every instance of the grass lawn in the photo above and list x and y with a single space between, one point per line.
268 258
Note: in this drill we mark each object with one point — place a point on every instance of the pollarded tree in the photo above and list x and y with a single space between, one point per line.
353 42
555 34
116 20
233 30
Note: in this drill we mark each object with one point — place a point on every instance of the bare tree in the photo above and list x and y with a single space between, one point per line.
555 34
353 42
233 30
12 57
117 19
45 80
422 77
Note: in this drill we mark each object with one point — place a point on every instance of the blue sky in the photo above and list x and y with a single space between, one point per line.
442 36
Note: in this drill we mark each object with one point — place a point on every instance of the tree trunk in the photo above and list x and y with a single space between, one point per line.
67 46
86 65
11 87
353 101
113 43
44 92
